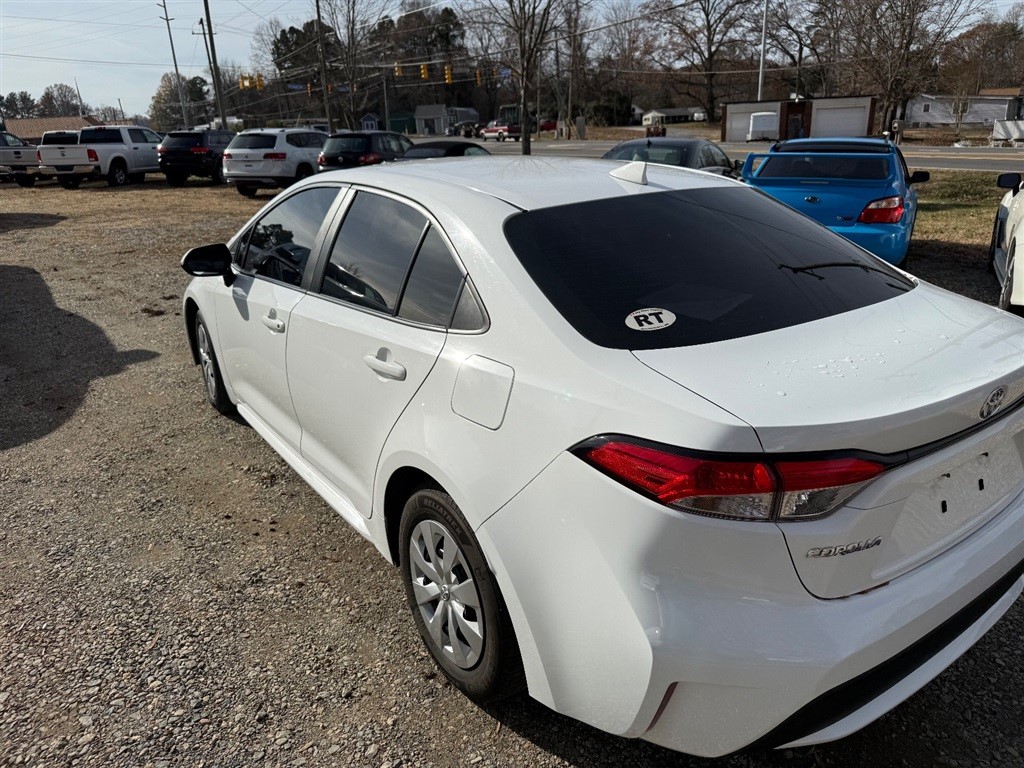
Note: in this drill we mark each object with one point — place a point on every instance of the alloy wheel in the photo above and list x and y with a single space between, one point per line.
206 360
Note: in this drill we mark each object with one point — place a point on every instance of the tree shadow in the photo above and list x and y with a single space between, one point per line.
48 357
12 221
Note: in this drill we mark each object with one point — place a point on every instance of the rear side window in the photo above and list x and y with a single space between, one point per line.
253 141
347 144
824 167
725 262
434 284
372 252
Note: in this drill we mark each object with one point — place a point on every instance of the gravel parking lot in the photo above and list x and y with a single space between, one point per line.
171 594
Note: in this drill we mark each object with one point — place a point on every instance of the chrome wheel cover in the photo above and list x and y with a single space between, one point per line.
446 594
206 361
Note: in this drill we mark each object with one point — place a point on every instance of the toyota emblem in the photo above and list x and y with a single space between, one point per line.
992 402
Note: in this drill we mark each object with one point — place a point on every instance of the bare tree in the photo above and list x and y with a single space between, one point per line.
355 53
527 26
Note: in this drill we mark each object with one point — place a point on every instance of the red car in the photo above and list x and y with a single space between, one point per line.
500 130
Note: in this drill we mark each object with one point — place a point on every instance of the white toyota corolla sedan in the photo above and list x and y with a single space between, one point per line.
644 442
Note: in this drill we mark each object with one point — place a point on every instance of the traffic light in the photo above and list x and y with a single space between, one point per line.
309 89
398 70
448 73
479 78
424 74
244 82
259 81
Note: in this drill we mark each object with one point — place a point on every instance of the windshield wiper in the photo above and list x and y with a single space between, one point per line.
811 267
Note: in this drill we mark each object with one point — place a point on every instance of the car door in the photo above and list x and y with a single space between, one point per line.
366 337
14 153
254 314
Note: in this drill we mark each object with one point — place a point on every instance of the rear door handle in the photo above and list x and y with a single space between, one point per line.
273 323
383 364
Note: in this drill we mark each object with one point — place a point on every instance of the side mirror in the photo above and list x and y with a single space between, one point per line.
919 177
1008 181
737 165
209 261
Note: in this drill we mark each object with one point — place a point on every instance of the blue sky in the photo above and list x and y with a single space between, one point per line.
118 49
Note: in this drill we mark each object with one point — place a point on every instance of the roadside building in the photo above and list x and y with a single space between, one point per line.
31 129
985 108
798 118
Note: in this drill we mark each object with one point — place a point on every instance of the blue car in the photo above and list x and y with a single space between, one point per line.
858 188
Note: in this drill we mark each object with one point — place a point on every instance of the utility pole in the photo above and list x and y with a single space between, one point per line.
123 118
209 61
177 75
216 70
80 103
764 36
387 114
323 69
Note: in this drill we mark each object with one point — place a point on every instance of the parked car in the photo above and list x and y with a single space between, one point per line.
428 149
1008 243
193 153
547 124
18 158
630 434
271 157
118 153
355 148
858 188
685 153
466 129
499 130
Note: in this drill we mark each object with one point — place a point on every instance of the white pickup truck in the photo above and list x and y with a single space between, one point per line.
18 158
118 153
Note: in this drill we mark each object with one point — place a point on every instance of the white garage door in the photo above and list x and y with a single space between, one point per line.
839 121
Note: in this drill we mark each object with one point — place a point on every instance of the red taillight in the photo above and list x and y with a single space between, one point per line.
276 156
39 156
888 210
226 155
740 489
370 158
93 157
200 150
320 160
161 150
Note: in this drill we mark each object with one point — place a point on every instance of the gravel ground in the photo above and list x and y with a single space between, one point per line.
171 594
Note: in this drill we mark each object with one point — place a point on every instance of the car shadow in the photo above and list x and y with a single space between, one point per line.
48 357
12 221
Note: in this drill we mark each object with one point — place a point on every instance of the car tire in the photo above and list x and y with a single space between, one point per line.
69 182
303 172
117 175
176 179
1006 289
246 190
216 394
486 666
217 176
24 180
501 137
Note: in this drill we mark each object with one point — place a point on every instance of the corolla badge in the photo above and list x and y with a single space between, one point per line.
992 402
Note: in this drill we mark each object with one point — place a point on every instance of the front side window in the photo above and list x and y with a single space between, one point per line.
280 243
725 262
372 252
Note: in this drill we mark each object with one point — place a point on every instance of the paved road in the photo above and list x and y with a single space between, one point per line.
994 159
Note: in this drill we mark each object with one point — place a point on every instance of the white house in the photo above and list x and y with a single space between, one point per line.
989 105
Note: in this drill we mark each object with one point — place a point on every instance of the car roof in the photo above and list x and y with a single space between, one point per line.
835 144
445 144
349 134
526 182
280 130
661 141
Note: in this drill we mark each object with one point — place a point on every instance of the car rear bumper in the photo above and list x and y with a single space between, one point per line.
888 242
190 167
64 170
255 181
696 633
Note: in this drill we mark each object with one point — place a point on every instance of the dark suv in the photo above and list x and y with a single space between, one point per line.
193 153
351 149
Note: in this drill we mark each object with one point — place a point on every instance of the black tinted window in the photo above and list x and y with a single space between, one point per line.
100 136
281 241
60 137
347 144
415 152
824 167
372 253
253 141
655 153
726 262
182 140
433 285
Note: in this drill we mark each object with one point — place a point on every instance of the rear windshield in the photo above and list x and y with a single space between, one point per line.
813 166
101 136
653 154
347 144
253 141
60 137
687 267
423 152
182 140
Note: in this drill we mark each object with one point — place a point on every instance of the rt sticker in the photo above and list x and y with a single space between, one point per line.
652 319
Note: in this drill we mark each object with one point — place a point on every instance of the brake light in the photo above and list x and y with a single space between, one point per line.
369 158
39 156
741 489
226 155
888 210
200 150
320 159
275 156
93 157
161 150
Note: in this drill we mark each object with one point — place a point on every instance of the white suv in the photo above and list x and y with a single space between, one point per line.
271 157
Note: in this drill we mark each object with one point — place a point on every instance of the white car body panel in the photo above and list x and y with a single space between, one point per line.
697 633
1010 234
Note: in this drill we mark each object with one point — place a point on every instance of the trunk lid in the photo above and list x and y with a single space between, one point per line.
889 378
